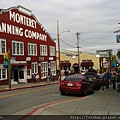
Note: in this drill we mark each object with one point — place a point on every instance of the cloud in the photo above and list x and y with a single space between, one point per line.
96 20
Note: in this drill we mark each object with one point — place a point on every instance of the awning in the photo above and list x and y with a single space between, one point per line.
75 65
18 64
87 64
65 64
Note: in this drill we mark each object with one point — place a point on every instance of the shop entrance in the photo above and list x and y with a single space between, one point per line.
16 75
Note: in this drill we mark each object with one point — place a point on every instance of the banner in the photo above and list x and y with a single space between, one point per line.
113 61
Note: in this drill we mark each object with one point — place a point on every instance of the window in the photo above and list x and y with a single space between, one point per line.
53 67
34 67
17 48
32 49
44 69
3 46
29 74
52 51
43 50
3 74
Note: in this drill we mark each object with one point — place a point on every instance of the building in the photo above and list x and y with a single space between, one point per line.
32 49
70 61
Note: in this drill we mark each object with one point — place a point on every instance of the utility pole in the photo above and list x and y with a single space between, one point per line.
78 38
110 65
9 69
58 35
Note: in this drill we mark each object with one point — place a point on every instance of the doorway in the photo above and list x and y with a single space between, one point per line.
16 76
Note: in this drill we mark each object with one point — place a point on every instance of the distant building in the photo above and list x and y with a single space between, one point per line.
32 49
86 61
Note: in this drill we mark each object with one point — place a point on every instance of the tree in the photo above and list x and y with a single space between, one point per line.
118 54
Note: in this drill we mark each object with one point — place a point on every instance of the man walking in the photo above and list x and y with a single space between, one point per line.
106 77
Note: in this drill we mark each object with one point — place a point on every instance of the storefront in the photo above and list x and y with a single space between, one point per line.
86 64
32 49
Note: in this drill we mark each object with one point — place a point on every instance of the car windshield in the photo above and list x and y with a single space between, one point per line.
90 76
78 75
74 78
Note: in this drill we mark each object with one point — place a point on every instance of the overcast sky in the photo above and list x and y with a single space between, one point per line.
95 20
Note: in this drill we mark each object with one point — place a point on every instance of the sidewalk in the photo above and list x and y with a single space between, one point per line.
4 88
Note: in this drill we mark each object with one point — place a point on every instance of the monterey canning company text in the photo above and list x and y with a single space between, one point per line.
15 30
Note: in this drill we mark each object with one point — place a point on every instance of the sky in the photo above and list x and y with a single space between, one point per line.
95 20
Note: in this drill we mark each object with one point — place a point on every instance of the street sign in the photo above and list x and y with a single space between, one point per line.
103 53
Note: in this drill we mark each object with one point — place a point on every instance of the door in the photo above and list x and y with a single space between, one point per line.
16 75
21 74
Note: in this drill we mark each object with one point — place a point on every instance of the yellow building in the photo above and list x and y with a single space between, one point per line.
68 61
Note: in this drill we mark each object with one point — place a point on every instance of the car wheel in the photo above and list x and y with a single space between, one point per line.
85 92
93 90
62 93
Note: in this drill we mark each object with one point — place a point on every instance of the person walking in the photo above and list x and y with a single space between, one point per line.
34 78
113 78
106 77
38 78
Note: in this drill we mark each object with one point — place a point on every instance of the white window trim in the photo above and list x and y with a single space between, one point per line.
42 77
16 43
43 53
54 68
33 49
1 39
1 68
29 76
34 67
52 51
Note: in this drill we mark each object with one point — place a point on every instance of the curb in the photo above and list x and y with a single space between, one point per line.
25 87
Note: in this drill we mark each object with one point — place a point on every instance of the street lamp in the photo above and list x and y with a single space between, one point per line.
78 37
58 35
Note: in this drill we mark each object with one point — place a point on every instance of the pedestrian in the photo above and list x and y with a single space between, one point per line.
34 78
113 79
106 77
38 78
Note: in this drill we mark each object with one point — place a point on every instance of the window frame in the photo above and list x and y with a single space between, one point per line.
34 67
1 74
44 70
32 52
15 50
52 51
1 51
43 50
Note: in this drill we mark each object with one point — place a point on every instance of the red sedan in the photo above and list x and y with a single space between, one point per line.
77 85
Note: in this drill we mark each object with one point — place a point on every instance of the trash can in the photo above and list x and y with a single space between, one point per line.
48 79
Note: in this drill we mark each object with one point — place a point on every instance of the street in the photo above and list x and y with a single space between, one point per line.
47 100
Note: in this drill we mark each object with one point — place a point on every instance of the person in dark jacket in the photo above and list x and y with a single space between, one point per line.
113 78
106 77
34 78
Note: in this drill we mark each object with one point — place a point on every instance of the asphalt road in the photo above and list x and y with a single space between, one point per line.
47 100
13 101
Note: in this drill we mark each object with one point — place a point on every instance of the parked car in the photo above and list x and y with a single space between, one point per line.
78 74
94 77
77 85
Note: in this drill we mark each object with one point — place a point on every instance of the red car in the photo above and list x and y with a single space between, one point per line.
77 85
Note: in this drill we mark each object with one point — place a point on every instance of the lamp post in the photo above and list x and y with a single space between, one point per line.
58 35
78 37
